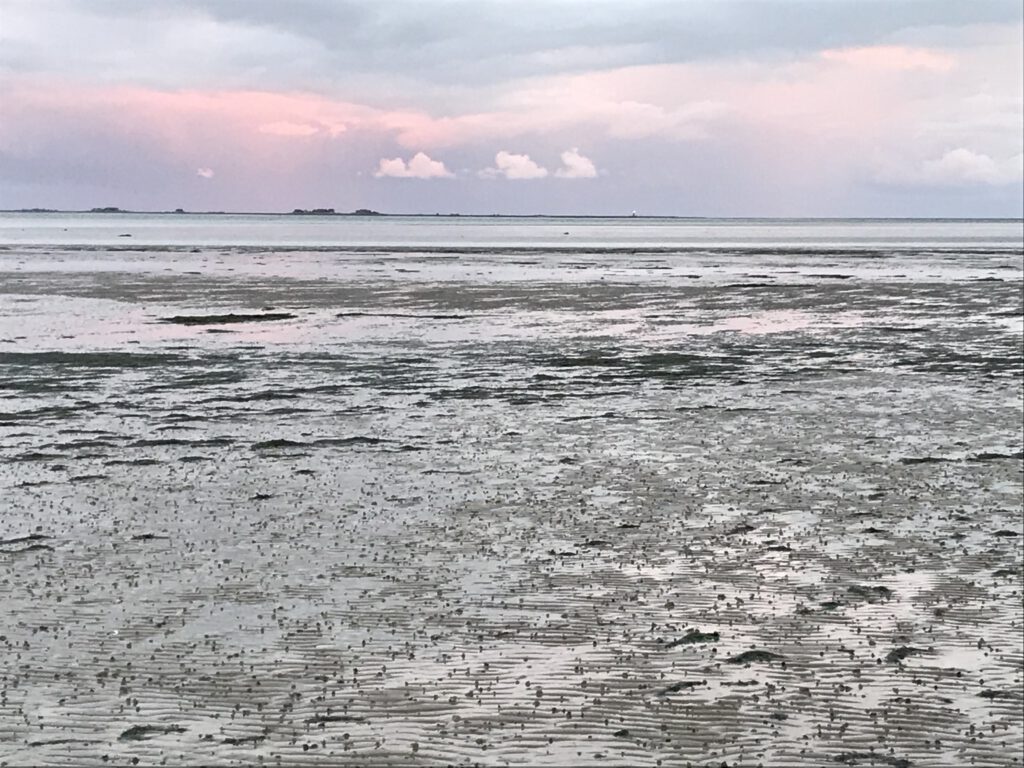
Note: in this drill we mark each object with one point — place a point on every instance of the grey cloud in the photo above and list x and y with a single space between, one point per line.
327 45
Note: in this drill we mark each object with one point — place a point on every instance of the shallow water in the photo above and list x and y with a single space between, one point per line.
420 502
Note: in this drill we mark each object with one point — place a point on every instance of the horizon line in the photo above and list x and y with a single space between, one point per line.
367 213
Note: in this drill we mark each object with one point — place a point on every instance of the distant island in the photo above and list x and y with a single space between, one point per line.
179 211
110 209
113 209
332 212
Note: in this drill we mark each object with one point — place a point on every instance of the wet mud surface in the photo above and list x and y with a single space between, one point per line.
441 507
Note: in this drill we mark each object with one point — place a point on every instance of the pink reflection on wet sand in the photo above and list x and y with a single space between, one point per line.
784 320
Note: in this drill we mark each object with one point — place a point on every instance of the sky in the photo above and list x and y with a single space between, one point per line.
659 107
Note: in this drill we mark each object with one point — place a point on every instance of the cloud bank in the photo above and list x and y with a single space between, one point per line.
704 107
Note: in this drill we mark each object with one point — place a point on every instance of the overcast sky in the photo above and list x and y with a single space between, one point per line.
683 107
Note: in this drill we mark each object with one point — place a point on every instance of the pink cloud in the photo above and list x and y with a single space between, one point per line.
892 57
676 102
169 114
814 117
285 128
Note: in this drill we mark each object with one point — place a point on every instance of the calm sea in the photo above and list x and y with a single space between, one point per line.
498 232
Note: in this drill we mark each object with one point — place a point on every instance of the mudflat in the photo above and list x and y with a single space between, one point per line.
432 506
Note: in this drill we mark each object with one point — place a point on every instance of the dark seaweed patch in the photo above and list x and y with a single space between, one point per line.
741 528
255 397
197 380
752 657
37 456
870 758
31 548
87 478
148 537
91 359
911 460
656 365
897 655
228 319
145 732
464 393
871 594
324 719
994 694
38 415
343 442
267 445
163 442
683 685
996 456
692 637
587 417
404 315
240 741
24 539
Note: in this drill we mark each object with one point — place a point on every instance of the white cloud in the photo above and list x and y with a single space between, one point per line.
963 166
512 166
576 166
206 173
958 167
421 166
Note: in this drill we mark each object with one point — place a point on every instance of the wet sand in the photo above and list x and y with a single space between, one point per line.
321 506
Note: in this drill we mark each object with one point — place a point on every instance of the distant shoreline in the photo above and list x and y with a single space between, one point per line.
366 213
